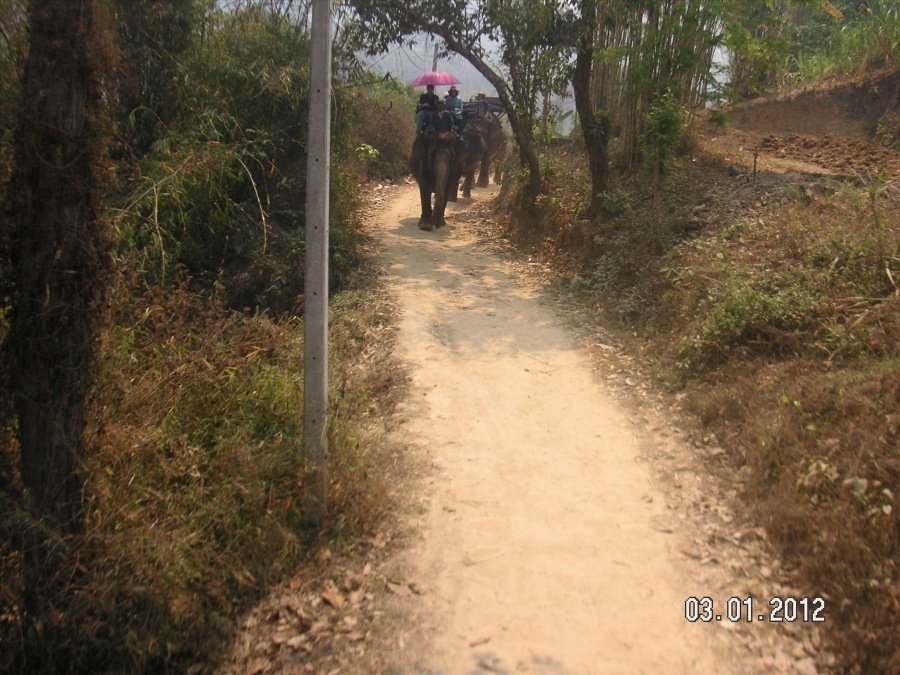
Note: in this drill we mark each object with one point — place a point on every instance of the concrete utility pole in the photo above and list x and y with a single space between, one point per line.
315 315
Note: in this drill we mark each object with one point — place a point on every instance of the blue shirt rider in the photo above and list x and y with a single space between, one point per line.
482 107
455 106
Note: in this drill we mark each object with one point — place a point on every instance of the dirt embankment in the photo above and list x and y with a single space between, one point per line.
852 110
851 129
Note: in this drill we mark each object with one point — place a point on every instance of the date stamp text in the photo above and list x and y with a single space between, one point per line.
747 610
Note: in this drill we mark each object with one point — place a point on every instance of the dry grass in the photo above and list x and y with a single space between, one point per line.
195 481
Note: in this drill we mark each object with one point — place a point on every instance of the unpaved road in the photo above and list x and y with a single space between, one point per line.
544 543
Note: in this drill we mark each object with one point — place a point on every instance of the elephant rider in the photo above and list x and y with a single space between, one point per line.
427 105
482 107
441 120
455 106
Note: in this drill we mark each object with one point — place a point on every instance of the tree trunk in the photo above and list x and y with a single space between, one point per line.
527 156
595 129
58 250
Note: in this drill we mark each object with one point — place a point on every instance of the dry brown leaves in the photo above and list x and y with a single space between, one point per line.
321 621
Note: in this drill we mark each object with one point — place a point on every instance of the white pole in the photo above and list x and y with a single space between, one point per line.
315 354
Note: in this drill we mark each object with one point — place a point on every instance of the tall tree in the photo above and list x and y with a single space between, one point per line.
534 50
592 115
58 257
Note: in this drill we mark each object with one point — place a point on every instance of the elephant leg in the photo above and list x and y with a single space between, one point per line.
457 170
425 198
442 191
441 195
484 173
453 194
467 184
498 167
446 179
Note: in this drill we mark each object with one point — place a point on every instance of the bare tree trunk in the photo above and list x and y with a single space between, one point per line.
657 189
594 128
58 250
546 132
527 155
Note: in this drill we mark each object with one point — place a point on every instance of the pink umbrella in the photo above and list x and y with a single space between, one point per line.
435 77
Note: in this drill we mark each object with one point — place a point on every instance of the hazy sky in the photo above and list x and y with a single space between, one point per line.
405 64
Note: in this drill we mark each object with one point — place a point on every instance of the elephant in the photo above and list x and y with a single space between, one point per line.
494 149
432 163
469 149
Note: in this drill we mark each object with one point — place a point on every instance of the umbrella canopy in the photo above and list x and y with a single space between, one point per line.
435 77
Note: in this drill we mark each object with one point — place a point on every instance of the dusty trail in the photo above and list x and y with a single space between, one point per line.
545 546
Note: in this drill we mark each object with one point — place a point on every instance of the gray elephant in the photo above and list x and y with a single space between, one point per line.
469 150
432 163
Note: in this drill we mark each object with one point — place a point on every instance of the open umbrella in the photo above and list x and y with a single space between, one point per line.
435 77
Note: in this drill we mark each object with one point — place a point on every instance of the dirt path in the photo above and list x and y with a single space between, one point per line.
545 543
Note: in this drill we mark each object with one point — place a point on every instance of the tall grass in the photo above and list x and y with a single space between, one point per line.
869 39
782 333
816 293
196 480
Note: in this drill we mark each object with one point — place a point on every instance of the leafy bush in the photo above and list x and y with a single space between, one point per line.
663 127
223 193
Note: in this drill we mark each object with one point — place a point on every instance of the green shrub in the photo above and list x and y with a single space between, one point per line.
823 285
223 192
868 38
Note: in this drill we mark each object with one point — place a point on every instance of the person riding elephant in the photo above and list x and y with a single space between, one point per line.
427 105
441 120
432 162
455 107
482 107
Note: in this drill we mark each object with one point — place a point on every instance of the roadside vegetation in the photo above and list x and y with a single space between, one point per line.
866 39
771 309
776 328
193 459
